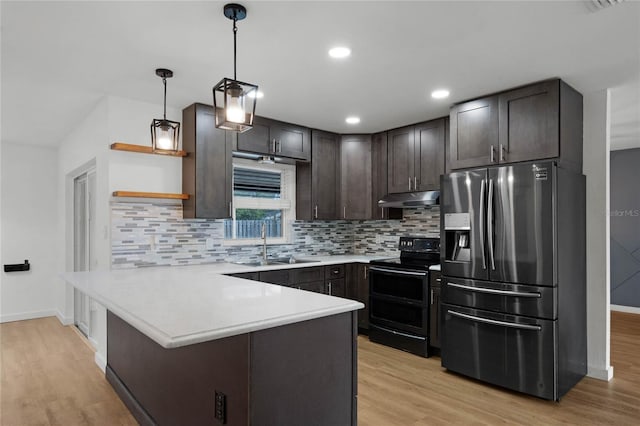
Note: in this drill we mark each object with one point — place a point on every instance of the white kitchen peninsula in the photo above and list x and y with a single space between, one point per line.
188 345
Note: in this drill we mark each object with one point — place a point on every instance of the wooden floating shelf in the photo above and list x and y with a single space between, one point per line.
166 195
143 149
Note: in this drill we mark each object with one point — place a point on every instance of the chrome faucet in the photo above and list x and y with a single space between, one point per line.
263 235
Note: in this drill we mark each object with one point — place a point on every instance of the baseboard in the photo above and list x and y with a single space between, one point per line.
93 342
601 373
628 309
100 361
26 316
64 320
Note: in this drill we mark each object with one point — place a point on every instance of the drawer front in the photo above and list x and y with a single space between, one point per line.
334 271
516 299
281 277
306 275
314 286
506 350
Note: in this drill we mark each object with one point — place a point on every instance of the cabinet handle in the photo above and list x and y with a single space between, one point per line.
492 153
382 212
432 296
409 183
502 152
273 145
329 287
315 214
365 272
279 146
230 210
344 212
415 183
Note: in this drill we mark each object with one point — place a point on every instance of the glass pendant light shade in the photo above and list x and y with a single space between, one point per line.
165 134
234 106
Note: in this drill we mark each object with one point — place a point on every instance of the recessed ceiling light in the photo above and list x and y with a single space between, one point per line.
440 94
259 95
352 120
339 52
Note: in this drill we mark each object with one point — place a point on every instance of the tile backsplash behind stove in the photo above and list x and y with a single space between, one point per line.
148 234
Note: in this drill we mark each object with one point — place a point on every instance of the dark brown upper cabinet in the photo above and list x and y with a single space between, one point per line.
272 137
355 177
317 182
416 156
207 168
379 178
538 121
474 133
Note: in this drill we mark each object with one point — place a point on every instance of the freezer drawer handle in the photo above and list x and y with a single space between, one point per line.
395 271
398 333
494 291
495 322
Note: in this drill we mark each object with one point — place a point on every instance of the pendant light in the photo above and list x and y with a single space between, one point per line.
234 102
164 133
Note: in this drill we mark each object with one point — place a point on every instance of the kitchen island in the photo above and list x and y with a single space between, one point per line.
188 345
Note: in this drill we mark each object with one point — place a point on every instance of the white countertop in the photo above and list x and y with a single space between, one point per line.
182 305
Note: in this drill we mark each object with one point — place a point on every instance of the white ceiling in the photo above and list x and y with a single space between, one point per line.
60 58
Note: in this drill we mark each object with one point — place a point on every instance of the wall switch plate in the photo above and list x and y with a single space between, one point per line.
221 407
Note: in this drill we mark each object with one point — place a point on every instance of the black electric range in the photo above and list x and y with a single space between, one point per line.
399 296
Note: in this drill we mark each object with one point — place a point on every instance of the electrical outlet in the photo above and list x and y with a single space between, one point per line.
221 407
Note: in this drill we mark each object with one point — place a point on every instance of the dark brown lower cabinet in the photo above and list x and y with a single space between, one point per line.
434 309
266 377
358 289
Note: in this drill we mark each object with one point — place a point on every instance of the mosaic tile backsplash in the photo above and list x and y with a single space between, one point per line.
149 234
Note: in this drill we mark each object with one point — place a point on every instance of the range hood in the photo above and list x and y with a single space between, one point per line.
411 199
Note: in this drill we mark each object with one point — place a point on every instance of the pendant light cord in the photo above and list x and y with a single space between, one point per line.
164 81
235 31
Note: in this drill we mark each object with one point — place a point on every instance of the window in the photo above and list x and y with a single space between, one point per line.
263 194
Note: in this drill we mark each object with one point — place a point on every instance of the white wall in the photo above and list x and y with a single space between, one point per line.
596 169
112 120
29 221
129 122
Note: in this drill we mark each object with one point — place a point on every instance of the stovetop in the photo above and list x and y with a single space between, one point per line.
417 253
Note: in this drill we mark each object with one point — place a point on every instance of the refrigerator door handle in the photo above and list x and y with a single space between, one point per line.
495 322
482 219
496 291
490 225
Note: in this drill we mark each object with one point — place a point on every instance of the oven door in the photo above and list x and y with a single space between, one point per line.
398 299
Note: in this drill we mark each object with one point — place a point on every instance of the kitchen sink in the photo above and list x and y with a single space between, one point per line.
274 261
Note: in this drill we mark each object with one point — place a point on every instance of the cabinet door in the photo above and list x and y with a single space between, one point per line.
336 287
474 133
429 154
379 178
290 140
355 177
400 161
434 309
306 275
357 288
258 139
529 123
207 169
325 194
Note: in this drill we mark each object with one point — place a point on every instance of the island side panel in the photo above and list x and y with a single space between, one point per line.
305 373
177 386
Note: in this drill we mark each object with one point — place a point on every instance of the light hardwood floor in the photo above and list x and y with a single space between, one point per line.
49 378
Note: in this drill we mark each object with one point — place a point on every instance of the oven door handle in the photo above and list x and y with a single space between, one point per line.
396 271
495 322
495 291
398 333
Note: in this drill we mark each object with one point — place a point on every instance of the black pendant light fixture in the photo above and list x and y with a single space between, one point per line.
164 133
234 102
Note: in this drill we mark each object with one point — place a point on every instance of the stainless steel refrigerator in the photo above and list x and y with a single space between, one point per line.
514 276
